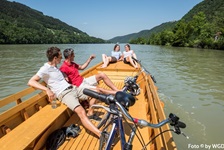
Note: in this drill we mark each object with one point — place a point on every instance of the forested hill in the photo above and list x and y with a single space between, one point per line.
143 33
20 24
202 26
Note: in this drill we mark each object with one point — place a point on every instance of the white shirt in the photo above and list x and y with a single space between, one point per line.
54 78
116 54
129 53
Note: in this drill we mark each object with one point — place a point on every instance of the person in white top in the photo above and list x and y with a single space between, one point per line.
59 88
116 55
128 54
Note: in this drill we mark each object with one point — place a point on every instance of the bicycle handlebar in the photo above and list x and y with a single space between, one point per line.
173 120
108 99
102 97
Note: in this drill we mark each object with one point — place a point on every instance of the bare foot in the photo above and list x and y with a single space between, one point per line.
103 66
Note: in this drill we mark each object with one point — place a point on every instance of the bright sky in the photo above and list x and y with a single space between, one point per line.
108 19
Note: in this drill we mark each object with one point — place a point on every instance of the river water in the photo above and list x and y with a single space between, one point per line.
190 82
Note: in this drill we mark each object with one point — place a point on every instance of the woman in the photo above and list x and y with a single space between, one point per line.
116 55
128 55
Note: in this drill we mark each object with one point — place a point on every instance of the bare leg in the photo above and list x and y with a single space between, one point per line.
106 62
91 102
107 81
132 62
134 55
104 58
101 90
85 120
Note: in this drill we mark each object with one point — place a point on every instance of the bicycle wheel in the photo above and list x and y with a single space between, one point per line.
104 120
107 137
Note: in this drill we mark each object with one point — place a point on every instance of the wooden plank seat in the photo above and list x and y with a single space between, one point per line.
23 138
19 107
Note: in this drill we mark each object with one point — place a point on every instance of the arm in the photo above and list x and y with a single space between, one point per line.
121 57
134 55
83 66
34 82
65 76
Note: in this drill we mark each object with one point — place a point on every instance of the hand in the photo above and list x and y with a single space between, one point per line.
92 57
50 94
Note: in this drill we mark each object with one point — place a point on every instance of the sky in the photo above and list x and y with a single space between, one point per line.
108 19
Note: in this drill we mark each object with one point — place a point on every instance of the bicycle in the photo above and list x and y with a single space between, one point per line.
117 110
131 87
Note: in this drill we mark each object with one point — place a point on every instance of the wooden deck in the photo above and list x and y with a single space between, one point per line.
87 140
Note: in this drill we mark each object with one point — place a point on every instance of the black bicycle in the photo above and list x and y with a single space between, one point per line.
117 108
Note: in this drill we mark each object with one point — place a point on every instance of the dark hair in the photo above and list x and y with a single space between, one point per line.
52 52
128 46
67 52
115 46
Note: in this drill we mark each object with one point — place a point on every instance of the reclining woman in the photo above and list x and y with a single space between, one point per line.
116 55
128 55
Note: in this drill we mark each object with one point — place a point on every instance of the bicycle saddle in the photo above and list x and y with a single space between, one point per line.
125 99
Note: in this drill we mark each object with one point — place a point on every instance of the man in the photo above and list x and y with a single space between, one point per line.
71 72
60 88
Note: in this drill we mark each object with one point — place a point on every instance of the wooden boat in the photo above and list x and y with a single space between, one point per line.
31 120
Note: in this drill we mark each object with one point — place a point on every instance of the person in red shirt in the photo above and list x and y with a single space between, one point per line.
71 71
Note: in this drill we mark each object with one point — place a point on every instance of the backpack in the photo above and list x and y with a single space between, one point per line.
57 138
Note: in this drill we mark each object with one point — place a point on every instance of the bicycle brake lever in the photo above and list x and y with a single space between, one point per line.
105 108
179 132
185 135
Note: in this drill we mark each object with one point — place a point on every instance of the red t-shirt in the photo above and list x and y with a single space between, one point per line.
72 71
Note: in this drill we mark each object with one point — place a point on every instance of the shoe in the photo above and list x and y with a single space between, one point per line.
94 117
104 136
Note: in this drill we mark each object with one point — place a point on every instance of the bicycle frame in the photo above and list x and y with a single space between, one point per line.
117 125
118 110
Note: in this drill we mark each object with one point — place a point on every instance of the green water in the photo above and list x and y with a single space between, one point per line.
190 82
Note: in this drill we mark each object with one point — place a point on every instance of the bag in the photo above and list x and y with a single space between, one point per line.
57 138
73 131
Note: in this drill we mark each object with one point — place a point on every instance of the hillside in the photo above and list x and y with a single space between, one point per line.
213 10
209 13
20 24
143 33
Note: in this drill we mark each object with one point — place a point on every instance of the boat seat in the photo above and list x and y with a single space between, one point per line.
39 123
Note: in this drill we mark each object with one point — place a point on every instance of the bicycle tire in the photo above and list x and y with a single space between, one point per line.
104 120
103 139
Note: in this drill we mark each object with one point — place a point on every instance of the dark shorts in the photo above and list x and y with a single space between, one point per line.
113 59
125 61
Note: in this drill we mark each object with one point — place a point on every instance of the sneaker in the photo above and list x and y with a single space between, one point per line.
94 117
104 136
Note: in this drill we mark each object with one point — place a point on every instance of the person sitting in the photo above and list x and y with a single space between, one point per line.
128 55
116 55
59 88
71 72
